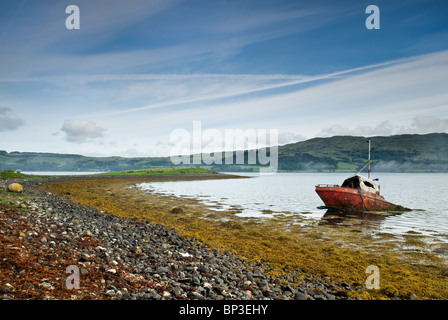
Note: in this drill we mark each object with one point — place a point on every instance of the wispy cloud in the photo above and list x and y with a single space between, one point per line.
96 48
166 90
144 68
371 102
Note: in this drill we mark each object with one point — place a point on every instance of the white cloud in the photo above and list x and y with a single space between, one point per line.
420 124
289 137
383 129
8 120
81 130
428 124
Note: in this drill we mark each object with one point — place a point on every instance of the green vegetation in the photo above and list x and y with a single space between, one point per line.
162 172
346 167
8 174
192 171
17 175
400 153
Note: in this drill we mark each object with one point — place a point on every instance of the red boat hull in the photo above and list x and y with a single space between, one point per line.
349 199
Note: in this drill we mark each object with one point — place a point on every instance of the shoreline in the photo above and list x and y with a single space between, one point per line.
56 178
126 259
249 275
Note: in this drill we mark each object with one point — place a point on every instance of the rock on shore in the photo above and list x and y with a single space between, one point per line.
121 258
15 187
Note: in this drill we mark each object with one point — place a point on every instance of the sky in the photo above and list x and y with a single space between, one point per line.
136 71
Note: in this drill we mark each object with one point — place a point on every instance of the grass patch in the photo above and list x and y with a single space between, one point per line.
162 172
10 174
14 198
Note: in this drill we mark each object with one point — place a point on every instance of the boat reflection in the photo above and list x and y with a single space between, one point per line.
345 219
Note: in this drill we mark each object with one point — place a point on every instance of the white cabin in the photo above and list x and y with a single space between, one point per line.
366 184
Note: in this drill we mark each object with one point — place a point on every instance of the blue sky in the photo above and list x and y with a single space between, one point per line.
137 70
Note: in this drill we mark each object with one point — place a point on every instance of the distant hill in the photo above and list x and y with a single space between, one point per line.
31 161
399 153
408 152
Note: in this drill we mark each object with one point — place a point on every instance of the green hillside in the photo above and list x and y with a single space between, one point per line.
400 153
394 153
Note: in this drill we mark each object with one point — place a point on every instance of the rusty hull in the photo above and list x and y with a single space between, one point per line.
348 199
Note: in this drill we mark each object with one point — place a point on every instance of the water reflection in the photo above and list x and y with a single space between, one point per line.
350 219
295 193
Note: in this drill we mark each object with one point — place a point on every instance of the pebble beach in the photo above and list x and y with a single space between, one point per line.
44 236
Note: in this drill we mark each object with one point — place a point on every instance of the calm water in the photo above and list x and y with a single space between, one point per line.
293 193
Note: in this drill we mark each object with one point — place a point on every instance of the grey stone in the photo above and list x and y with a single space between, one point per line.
162 270
300 296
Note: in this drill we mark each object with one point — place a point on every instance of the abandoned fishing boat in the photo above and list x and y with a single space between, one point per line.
357 193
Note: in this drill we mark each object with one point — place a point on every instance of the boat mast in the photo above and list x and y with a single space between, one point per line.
368 170
368 162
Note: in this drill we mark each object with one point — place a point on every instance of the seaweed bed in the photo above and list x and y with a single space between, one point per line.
408 267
